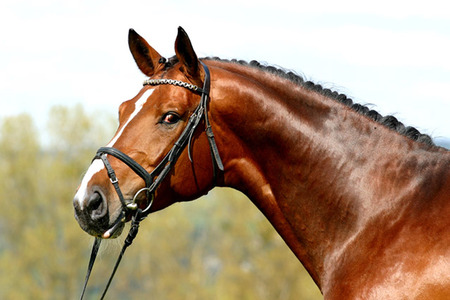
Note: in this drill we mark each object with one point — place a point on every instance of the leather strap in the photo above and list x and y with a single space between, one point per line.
94 252
209 133
138 169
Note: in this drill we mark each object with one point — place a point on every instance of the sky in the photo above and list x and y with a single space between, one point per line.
392 55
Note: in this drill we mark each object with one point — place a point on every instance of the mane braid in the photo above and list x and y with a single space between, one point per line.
388 121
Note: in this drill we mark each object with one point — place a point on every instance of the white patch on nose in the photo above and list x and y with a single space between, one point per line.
137 108
94 168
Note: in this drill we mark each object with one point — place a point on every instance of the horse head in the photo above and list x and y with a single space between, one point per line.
150 124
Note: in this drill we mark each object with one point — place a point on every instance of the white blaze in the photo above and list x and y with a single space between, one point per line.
137 108
97 165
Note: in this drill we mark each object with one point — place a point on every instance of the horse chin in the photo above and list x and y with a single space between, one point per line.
116 227
116 232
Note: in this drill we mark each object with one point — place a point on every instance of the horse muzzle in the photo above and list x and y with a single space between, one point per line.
94 217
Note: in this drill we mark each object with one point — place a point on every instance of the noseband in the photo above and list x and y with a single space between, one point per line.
153 180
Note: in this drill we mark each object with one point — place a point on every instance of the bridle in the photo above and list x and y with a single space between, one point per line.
153 180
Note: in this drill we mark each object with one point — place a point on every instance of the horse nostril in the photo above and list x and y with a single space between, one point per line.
96 206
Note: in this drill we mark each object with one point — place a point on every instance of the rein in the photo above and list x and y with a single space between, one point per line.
153 179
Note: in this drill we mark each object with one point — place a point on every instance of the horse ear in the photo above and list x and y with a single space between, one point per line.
148 59
186 55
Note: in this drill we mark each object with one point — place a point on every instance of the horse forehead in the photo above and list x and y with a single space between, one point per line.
143 95
138 104
161 95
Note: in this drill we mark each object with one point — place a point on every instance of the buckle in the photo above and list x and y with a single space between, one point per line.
113 179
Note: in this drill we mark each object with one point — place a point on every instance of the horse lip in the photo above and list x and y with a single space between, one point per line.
117 227
124 216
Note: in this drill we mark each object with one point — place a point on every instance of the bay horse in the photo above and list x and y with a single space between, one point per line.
362 200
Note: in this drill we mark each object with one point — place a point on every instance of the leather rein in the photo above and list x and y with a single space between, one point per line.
153 180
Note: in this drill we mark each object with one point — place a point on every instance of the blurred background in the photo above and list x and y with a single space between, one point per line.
65 69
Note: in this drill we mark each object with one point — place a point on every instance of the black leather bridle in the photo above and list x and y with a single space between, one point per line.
153 180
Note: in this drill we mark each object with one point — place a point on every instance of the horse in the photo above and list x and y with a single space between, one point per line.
362 200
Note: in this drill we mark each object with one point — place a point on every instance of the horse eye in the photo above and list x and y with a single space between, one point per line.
171 118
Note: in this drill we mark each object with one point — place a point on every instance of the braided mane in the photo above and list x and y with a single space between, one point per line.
388 121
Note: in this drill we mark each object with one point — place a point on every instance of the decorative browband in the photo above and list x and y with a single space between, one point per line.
173 82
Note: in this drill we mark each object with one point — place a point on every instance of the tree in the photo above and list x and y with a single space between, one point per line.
217 247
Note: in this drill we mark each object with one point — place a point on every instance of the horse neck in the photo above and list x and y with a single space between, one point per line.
318 170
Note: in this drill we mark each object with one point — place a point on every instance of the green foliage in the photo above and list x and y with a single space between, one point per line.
217 247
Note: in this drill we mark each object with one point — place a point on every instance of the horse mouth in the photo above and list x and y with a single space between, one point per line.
125 215
116 228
